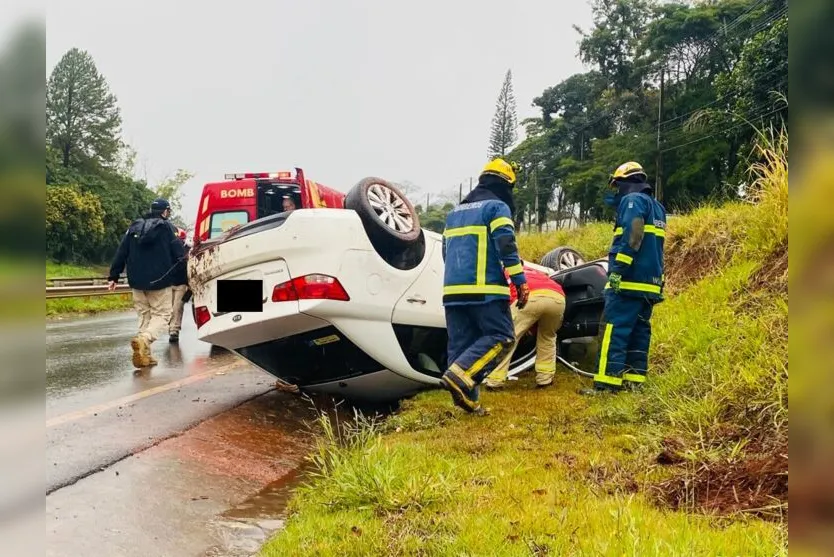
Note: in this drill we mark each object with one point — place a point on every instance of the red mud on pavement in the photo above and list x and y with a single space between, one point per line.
261 441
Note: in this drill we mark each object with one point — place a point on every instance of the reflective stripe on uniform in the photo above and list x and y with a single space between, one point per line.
600 377
480 232
623 258
485 359
513 270
501 221
648 229
476 289
634 377
637 287
463 377
549 367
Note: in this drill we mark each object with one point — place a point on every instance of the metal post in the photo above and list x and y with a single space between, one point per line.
470 184
460 192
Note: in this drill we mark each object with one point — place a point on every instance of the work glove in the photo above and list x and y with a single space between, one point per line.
523 295
614 280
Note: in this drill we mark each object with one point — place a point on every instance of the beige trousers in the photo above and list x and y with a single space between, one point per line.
178 307
547 308
154 309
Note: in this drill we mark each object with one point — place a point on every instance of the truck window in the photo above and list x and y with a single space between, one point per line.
223 221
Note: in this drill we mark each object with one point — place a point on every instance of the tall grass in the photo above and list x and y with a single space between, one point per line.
353 469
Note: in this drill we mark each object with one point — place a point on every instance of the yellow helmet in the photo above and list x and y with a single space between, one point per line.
502 169
625 170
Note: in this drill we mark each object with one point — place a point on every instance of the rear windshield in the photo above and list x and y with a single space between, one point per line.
223 221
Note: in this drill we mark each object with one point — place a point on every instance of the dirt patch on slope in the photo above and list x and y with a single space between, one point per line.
687 262
754 483
772 275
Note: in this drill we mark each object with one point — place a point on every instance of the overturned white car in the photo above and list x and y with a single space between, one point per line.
348 301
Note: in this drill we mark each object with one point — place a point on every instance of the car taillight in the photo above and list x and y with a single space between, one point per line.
284 292
310 287
201 315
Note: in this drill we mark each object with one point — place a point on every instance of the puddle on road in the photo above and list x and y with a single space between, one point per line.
261 443
244 528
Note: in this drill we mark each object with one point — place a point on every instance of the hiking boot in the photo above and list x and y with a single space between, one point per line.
596 391
141 352
633 386
495 385
544 379
174 338
463 395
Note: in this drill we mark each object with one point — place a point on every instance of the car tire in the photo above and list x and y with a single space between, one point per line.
389 218
562 258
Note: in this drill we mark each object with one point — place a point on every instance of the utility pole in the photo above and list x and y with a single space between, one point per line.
427 202
460 192
658 188
470 184
536 199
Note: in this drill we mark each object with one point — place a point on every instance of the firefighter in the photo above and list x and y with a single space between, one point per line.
478 246
635 281
545 309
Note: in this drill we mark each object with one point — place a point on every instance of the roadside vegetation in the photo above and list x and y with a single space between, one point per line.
84 304
695 465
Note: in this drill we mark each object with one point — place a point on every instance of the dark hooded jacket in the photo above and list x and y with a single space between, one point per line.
151 251
181 270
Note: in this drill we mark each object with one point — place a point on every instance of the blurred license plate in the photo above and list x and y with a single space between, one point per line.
240 295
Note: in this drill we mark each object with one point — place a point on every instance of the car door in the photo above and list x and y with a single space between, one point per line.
418 317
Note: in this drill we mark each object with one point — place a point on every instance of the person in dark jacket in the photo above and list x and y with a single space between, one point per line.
150 250
478 247
635 281
179 289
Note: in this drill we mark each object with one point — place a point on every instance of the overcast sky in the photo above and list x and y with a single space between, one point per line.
344 89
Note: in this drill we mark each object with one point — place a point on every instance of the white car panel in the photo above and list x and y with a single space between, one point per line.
422 302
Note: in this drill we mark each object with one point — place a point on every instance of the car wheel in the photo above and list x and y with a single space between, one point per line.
388 216
562 258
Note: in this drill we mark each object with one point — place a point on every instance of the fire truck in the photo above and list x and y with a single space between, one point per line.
248 196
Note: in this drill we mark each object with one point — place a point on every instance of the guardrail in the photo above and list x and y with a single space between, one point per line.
74 287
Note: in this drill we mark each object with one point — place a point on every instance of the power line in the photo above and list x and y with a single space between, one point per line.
719 99
683 133
680 146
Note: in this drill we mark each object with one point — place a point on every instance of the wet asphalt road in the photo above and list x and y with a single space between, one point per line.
147 462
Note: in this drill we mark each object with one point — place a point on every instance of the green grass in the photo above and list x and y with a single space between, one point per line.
592 241
86 304
56 270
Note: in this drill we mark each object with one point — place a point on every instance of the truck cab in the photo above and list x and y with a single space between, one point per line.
245 197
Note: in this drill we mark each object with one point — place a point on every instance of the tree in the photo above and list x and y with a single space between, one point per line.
82 118
170 188
505 121
73 222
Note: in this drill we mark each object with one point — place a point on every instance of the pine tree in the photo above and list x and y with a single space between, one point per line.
82 118
504 123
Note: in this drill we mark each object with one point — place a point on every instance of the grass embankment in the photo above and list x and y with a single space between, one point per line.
694 465
83 304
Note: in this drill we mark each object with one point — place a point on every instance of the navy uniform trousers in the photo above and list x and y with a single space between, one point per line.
626 334
480 335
